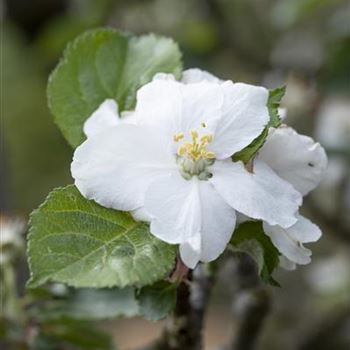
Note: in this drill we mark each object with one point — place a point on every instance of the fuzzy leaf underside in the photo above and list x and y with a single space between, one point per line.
75 241
92 304
157 301
101 64
153 302
250 238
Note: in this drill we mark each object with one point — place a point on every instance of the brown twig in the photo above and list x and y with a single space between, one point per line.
184 329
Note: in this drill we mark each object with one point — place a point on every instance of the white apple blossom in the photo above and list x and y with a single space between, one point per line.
169 162
11 239
300 161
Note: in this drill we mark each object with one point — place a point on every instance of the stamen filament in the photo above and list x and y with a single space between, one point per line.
193 156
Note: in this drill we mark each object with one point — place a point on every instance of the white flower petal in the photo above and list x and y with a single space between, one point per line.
190 76
193 214
289 247
304 231
195 75
218 222
190 251
241 218
174 107
290 241
295 158
159 104
115 167
105 116
202 103
259 195
129 117
164 76
286 264
175 208
141 214
244 117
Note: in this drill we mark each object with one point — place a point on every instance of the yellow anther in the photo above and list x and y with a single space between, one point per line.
197 149
209 155
179 136
182 150
205 139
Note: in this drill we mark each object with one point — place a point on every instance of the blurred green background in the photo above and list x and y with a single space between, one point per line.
304 44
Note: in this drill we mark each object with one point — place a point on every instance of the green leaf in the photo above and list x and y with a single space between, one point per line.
273 103
250 238
247 153
75 241
101 64
157 301
91 304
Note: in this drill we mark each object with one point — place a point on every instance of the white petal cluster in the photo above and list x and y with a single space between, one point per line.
300 161
11 238
169 163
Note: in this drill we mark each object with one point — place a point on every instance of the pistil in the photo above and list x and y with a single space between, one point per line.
193 157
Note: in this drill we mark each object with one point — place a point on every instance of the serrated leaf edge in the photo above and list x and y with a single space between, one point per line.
31 284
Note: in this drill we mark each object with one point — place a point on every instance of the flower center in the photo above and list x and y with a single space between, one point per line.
193 157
